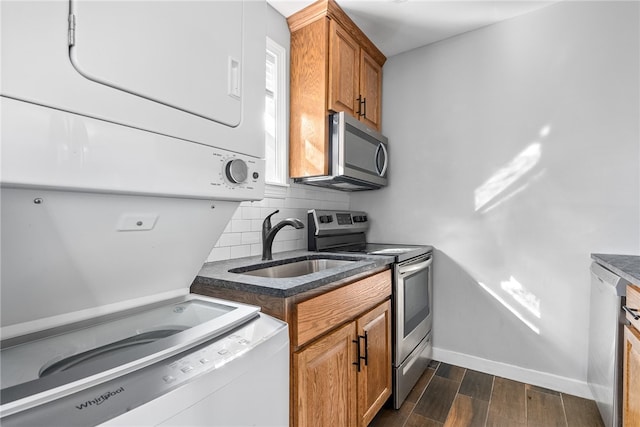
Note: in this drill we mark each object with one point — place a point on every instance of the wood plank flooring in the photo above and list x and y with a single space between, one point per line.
450 396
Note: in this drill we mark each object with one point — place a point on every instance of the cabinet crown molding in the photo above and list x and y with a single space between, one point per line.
323 9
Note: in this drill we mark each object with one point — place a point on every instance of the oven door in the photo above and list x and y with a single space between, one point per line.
413 292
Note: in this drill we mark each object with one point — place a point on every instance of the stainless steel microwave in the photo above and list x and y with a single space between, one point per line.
359 156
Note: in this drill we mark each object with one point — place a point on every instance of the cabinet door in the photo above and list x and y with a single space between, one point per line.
374 378
344 56
631 382
371 90
325 381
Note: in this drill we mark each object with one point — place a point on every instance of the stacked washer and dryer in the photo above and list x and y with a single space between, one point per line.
131 132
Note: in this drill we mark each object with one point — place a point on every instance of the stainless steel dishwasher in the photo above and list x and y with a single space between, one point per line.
604 369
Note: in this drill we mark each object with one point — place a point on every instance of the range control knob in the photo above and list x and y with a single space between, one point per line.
236 171
325 219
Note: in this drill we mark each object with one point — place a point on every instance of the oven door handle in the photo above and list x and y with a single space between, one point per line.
415 267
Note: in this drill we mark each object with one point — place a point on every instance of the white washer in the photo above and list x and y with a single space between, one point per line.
188 361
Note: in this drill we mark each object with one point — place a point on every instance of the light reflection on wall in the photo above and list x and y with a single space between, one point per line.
509 307
509 174
519 293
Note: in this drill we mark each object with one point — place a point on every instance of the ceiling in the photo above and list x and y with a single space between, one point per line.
396 26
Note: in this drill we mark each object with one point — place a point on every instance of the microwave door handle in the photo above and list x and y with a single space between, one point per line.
386 159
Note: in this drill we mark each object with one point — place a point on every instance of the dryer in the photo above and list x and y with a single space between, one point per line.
132 130
193 70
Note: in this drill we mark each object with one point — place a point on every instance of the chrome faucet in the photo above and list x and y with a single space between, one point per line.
268 233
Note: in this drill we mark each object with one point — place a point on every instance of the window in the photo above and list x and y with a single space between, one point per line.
275 115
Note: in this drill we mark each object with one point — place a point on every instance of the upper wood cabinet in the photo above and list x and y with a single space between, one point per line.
370 90
334 67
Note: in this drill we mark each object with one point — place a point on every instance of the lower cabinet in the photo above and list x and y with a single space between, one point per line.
374 378
631 385
325 380
344 377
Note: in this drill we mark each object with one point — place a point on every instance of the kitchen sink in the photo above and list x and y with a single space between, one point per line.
293 268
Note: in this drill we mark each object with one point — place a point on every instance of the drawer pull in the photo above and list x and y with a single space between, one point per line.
366 348
359 347
357 343
632 311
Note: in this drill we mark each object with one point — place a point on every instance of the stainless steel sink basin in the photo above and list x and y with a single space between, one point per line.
295 268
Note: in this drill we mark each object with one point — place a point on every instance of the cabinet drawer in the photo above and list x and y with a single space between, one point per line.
324 312
633 302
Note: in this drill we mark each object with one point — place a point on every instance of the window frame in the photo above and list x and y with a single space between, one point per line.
279 187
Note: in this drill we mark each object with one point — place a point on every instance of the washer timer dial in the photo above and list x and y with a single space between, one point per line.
236 171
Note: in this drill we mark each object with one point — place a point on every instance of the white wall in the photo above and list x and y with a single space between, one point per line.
515 151
242 237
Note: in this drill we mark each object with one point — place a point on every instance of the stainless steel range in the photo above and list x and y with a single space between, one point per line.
345 231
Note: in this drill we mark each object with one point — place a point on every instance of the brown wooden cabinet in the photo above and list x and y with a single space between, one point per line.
334 67
325 376
374 378
344 377
631 366
370 90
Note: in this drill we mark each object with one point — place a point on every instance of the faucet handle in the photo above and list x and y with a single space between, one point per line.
266 224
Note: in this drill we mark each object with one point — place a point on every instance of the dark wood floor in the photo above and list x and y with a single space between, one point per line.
448 395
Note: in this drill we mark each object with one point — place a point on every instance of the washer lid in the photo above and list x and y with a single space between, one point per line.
38 368
198 58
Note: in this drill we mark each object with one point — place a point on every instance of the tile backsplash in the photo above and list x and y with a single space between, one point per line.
242 237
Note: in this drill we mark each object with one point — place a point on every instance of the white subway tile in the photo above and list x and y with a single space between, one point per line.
251 237
251 212
230 239
256 249
237 214
267 211
299 244
297 191
240 251
240 225
256 225
290 245
299 203
260 203
276 203
278 247
219 254
289 234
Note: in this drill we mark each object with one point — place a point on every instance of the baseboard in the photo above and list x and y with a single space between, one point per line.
516 373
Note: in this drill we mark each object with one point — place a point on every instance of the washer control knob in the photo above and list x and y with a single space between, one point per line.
237 171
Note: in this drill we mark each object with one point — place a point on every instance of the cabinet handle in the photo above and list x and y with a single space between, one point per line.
366 350
632 311
359 100
366 347
357 343
364 101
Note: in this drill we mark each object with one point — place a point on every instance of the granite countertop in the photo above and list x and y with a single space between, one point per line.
217 273
625 266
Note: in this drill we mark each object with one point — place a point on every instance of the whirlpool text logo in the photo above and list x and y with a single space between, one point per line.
100 399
